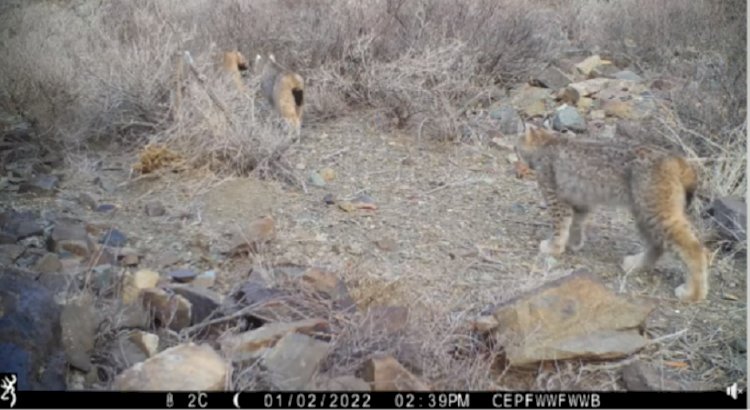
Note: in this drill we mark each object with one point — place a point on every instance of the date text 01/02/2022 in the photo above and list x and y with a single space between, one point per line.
354 400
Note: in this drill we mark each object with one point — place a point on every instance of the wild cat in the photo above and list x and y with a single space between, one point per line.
284 90
577 175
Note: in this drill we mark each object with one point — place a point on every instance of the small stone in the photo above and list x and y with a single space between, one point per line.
508 120
182 275
106 184
329 199
740 345
135 282
316 180
130 259
386 244
87 200
568 118
186 367
105 208
328 174
408 161
113 237
346 206
49 263
205 280
155 208
364 201
729 215
147 342
385 373
103 277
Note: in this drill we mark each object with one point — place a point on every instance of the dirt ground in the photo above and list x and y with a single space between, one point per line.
454 231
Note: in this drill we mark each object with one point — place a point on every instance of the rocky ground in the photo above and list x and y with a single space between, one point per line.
401 264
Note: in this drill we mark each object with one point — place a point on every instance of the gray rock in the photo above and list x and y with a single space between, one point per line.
554 78
103 277
315 179
575 317
45 184
87 200
11 252
294 360
155 208
7 238
70 236
508 120
186 367
49 263
28 228
113 237
729 214
30 337
105 208
78 323
126 353
182 275
18 225
568 118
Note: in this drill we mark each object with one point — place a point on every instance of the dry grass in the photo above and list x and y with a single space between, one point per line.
88 69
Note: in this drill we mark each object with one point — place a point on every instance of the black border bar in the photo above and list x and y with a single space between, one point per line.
384 400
